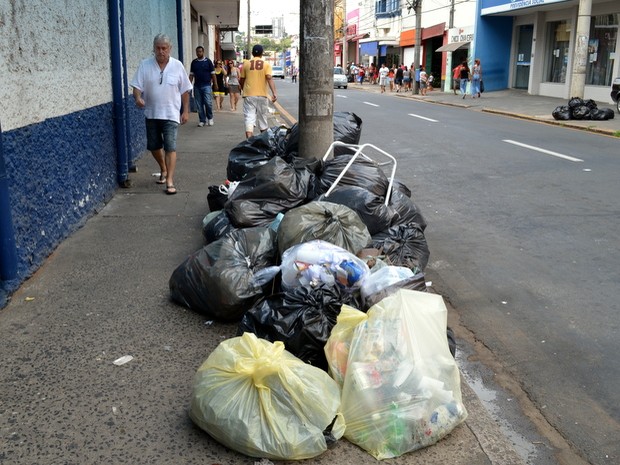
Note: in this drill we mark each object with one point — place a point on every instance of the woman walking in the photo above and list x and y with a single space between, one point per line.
233 86
476 78
220 76
464 77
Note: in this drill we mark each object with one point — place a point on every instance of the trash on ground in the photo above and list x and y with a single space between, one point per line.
124 359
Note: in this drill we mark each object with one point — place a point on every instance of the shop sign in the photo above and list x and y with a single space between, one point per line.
500 6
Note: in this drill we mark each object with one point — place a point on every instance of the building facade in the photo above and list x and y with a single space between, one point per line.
69 129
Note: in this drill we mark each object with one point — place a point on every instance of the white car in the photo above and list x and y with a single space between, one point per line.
277 72
340 78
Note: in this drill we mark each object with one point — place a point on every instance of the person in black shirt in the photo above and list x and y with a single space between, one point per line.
202 75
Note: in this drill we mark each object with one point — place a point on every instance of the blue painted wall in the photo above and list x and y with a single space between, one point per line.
493 45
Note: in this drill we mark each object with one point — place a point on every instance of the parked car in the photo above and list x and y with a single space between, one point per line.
277 72
340 78
615 92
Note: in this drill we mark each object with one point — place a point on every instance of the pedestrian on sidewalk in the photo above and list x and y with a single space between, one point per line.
254 80
464 74
456 77
202 76
476 78
383 73
233 86
423 81
220 77
161 86
406 79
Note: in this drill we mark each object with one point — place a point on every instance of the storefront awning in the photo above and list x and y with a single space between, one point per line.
227 46
357 37
453 46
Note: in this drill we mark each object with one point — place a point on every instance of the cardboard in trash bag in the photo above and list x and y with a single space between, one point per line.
401 386
254 397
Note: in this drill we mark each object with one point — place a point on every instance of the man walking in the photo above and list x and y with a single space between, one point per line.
202 76
255 79
160 86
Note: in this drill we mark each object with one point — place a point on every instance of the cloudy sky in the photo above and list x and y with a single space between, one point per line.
264 10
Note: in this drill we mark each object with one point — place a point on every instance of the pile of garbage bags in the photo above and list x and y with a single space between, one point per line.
579 109
329 295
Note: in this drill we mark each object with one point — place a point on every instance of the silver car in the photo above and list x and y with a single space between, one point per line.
340 78
277 72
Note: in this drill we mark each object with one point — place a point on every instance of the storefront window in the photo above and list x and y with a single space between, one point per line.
558 34
602 49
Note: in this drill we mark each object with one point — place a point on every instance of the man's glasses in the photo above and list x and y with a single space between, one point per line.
161 77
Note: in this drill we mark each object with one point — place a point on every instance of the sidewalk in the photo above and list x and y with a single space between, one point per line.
103 294
510 102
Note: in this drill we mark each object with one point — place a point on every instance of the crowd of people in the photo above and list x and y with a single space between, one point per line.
399 78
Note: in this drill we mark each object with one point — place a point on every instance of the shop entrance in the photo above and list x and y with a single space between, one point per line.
525 35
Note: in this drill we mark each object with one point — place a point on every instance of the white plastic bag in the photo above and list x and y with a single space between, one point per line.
401 388
258 399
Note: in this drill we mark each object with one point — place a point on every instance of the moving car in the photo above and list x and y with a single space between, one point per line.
615 92
277 72
340 78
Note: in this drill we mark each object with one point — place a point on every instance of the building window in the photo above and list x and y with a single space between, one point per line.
558 39
387 8
601 49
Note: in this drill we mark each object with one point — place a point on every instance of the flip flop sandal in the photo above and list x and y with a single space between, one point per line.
171 190
161 180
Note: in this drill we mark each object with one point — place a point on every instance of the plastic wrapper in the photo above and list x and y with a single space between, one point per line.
318 262
383 278
302 318
401 388
405 245
254 397
218 280
370 207
266 191
325 221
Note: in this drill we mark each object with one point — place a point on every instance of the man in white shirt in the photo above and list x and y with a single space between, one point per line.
383 73
160 87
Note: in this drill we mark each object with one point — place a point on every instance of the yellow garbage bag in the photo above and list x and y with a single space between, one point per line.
258 399
401 386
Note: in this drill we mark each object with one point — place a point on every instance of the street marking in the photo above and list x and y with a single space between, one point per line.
341 96
371 104
548 152
423 117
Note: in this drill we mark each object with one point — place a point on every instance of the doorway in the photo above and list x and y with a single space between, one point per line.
525 34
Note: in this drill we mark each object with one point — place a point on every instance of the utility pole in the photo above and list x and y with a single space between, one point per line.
248 47
417 5
316 63
580 60
345 44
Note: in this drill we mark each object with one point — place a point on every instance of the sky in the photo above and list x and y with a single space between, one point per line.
264 10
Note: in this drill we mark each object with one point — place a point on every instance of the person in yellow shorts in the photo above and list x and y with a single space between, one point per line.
255 80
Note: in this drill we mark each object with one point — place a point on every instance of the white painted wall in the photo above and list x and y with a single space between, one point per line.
47 68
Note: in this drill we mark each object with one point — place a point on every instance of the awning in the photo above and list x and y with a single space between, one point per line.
357 37
227 46
453 46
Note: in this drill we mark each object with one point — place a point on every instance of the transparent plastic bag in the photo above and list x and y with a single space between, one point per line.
256 398
401 388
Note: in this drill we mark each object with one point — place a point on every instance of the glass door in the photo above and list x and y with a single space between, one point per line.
525 34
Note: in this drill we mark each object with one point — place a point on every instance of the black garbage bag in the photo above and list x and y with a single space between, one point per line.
302 318
327 221
362 173
218 280
575 102
405 210
601 114
561 113
267 190
581 112
402 187
370 207
216 198
253 152
591 104
217 227
405 245
347 129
